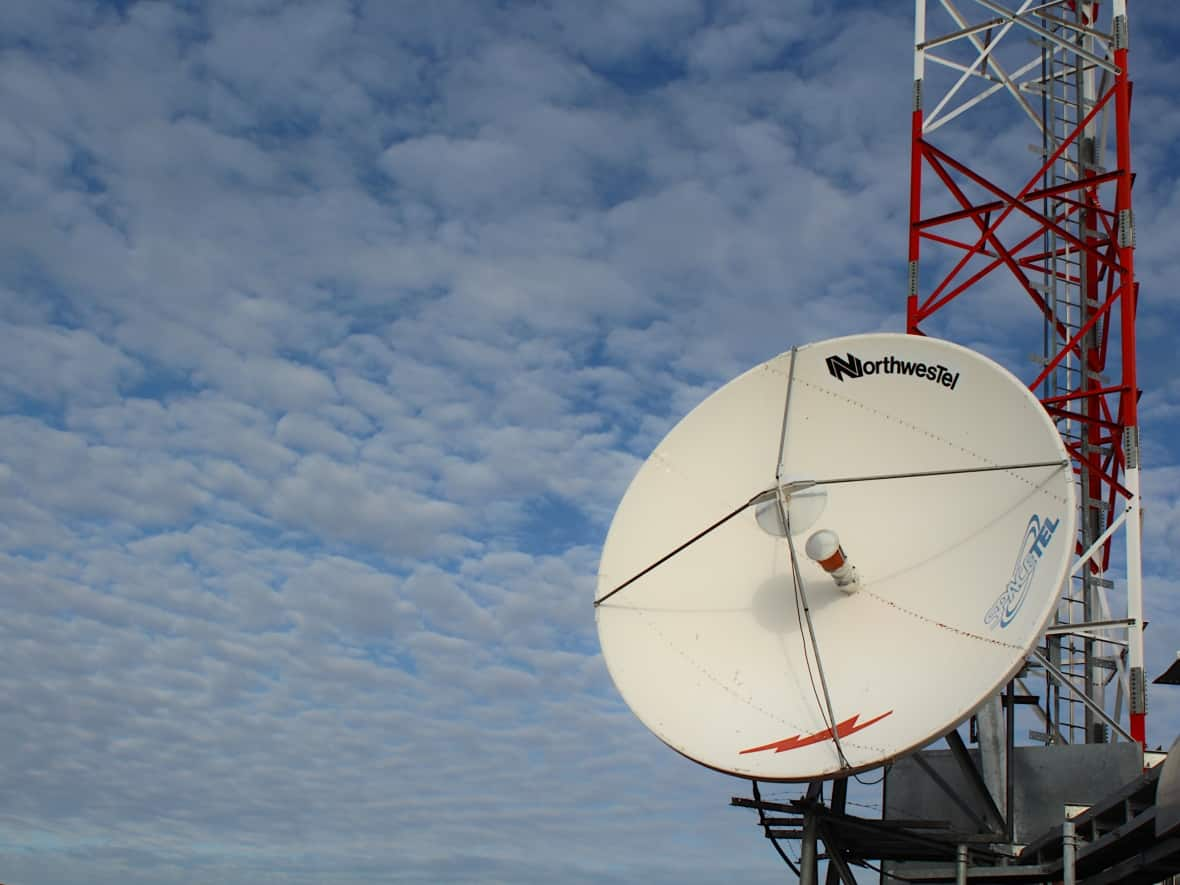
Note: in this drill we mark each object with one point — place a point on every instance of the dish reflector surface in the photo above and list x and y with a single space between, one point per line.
952 496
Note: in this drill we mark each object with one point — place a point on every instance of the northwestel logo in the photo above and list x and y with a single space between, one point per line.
855 367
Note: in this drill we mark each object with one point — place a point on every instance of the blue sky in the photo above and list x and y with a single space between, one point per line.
330 336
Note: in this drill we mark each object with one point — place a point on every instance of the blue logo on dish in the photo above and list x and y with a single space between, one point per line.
1037 536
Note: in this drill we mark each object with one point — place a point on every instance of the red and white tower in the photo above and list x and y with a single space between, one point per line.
1021 218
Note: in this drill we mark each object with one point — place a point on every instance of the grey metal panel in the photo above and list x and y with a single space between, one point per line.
1045 780
1167 794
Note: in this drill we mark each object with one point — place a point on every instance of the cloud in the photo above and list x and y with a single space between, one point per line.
331 335
44 363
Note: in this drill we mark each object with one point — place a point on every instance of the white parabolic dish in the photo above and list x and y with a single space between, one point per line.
952 495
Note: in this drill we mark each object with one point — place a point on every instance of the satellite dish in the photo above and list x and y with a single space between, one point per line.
836 557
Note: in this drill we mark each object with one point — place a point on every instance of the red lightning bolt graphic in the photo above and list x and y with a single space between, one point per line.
843 730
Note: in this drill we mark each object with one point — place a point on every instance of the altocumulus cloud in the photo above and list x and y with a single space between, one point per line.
331 333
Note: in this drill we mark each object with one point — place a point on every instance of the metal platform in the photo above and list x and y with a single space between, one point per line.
1130 834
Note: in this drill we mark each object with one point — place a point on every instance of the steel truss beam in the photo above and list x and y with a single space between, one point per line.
1061 233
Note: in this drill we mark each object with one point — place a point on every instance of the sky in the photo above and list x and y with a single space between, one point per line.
331 334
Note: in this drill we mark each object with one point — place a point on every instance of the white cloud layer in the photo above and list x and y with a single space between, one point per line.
330 335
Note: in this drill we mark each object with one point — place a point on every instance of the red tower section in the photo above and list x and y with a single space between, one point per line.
1021 186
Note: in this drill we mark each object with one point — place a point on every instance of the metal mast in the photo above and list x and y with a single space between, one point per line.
1021 218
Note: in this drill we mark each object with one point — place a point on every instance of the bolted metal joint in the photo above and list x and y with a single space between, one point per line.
918 94
1122 37
913 290
1126 228
1131 446
1138 690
